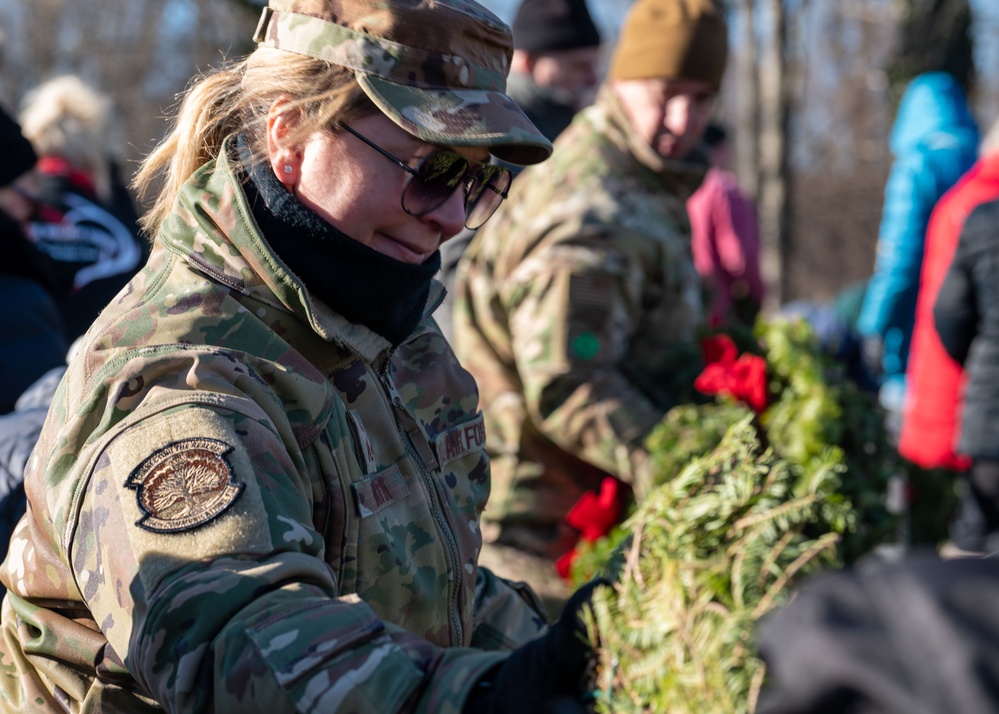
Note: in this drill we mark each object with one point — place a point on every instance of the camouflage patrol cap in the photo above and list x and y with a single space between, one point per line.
437 68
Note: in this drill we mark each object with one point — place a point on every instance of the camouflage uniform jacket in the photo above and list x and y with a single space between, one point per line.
243 502
578 303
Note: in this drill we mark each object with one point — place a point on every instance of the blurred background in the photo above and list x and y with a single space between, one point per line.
809 96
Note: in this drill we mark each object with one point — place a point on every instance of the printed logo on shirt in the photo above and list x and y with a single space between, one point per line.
184 485
460 440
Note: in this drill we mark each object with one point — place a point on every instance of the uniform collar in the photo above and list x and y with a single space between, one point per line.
213 228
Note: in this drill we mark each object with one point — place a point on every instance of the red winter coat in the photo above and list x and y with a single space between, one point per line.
935 381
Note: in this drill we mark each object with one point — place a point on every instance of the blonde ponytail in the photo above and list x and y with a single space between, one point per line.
208 113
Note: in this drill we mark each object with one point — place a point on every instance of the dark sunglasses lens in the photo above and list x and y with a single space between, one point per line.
438 176
486 194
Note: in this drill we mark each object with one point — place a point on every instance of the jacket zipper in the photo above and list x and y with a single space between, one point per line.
435 502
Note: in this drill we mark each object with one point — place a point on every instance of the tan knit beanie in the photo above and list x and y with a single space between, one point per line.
672 39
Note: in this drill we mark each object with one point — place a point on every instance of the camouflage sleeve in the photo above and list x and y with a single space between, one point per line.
215 589
573 311
507 614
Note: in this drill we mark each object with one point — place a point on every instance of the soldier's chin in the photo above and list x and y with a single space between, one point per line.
673 149
668 149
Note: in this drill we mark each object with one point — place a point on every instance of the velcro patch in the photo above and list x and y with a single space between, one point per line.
460 440
590 296
184 485
378 491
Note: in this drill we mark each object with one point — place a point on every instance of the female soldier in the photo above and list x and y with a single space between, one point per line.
259 485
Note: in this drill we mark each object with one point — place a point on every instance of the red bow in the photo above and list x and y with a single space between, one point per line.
741 377
593 516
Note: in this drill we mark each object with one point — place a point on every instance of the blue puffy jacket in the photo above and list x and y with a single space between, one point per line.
934 141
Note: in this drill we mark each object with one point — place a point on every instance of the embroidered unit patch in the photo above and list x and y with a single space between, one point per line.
184 485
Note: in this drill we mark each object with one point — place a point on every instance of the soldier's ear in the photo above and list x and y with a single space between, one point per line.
530 62
284 153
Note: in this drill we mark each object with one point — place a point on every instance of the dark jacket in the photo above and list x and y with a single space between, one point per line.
95 246
912 637
967 318
33 337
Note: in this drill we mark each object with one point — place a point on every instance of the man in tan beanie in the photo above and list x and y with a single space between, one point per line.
578 306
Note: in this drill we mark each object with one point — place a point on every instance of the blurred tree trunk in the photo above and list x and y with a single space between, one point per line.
773 168
140 53
934 35
747 78
839 143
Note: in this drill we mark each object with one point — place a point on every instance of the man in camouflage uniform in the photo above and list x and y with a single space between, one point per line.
556 61
243 500
553 74
579 300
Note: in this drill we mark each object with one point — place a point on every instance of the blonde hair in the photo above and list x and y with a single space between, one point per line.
67 118
237 98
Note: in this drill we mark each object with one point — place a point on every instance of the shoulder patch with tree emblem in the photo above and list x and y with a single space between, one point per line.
184 485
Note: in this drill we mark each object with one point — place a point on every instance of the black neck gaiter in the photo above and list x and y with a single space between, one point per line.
384 294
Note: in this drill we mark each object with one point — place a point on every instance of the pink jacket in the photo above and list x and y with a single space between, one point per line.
725 242
931 418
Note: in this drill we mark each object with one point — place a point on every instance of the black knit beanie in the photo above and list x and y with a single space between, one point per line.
715 134
17 154
553 25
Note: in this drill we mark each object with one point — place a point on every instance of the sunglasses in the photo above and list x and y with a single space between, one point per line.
439 174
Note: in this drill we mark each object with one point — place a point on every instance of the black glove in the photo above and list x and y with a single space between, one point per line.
545 676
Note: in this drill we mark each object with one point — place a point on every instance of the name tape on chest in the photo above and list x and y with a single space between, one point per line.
460 440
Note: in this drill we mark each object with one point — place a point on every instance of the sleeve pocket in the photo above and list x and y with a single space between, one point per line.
295 649
336 656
